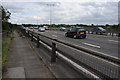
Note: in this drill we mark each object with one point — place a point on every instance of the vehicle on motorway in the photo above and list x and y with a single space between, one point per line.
98 30
46 27
35 27
76 32
31 27
41 29
62 28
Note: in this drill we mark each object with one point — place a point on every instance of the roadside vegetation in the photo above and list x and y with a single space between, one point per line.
6 44
6 38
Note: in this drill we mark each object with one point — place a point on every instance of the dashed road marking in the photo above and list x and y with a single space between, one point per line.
54 35
92 45
113 41
55 32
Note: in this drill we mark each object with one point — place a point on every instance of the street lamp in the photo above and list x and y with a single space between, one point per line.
37 21
50 5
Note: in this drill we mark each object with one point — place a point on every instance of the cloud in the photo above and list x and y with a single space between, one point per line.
97 13
119 12
12 7
60 0
64 12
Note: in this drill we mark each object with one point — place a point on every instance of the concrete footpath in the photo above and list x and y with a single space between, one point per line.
23 62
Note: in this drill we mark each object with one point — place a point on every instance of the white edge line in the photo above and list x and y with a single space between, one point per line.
54 35
113 41
92 45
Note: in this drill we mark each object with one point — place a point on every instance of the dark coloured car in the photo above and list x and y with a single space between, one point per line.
76 32
98 30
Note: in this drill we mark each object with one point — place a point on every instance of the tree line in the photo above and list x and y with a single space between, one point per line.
5 16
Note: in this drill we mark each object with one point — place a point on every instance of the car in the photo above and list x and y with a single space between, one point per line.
99 30
46 27
41 29
76 32
62 28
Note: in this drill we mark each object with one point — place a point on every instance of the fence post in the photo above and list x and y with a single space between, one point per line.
111 34
118 34
28 34
37 41
53 56
31 36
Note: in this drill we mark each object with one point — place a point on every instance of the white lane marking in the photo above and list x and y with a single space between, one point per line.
113 40
54 35
92 45
55 32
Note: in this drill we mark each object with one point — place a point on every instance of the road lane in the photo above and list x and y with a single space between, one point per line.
107 45
91 45
95 62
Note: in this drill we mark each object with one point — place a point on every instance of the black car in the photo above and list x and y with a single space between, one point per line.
76 32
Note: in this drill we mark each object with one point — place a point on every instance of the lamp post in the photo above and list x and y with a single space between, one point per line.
37 21
50 5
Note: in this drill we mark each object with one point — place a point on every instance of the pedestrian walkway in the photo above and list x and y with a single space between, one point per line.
23 62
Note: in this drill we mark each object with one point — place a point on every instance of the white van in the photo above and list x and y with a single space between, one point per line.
41 29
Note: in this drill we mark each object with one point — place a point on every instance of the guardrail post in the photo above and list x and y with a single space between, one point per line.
37 41
31 36
105 33
118 34
53 56
112 34
28 34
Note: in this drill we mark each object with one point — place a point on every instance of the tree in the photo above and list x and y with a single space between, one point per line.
5 16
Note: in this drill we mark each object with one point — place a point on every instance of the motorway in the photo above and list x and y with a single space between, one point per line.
104 44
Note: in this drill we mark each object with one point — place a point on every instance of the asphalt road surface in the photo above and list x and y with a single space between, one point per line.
105 44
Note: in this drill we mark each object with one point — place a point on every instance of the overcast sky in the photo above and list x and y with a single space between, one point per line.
63 12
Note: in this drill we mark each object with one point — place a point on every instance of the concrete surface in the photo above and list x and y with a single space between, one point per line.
17 72
22 56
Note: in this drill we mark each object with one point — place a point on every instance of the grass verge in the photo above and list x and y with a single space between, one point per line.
6 43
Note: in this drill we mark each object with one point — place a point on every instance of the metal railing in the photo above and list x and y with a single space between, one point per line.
93 66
